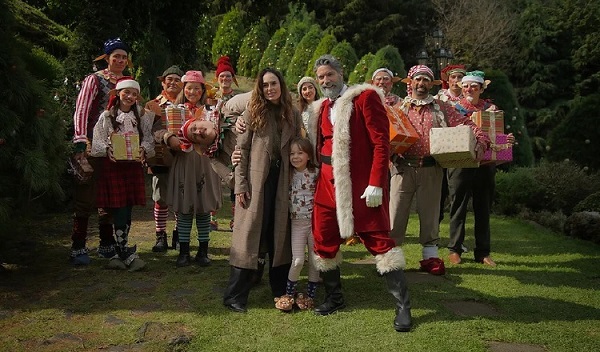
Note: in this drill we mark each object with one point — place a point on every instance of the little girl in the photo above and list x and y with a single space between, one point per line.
193 187
122 185
302 190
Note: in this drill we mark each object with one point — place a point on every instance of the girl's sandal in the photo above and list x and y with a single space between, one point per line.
284 303
304 302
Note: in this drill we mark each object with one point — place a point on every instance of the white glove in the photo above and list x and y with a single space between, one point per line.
374 196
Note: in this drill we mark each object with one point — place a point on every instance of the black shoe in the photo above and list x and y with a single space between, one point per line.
161 243
334 300
202 256
330 307
397 286
184 258
237 307
175 239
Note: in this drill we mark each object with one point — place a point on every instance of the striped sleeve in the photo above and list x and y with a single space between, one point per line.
83 105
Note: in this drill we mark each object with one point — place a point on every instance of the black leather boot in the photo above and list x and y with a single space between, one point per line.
397 286
161 242
184 258
334 300
257 274
238 288
202 255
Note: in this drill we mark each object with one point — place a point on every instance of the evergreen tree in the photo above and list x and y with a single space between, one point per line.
359 73
229 36
204 41
327 43
252 49
302 56
345 53
389 57
271 54
295 33
32 134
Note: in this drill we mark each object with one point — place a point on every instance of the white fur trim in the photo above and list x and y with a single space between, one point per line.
390 261
343 109
327 264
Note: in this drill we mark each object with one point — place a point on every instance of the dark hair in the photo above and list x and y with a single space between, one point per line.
302 103
305 145
181 99
262 109
114 111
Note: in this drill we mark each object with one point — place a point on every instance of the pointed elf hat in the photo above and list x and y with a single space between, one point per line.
224 64
477 77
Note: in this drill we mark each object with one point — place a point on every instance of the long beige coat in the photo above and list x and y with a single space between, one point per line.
250 176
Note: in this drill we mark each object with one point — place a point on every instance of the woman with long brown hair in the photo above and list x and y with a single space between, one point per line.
262 181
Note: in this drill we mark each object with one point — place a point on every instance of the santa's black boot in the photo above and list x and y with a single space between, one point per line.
397 286
334 300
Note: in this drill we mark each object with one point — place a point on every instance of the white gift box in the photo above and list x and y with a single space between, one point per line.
453 147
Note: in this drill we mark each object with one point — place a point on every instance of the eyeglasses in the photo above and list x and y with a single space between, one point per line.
473 86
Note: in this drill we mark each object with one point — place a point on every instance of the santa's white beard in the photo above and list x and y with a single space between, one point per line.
331 92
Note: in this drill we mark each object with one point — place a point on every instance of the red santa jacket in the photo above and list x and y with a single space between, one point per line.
360 158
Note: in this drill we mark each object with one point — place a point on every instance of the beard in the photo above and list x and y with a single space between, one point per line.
470 99
332 91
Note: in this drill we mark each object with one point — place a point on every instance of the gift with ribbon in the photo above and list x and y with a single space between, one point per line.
453 147
126 146
402 132
490 122
175 117
500 151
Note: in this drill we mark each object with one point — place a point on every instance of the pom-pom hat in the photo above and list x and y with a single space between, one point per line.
223 65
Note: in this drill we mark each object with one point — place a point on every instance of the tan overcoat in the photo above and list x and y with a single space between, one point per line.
250 176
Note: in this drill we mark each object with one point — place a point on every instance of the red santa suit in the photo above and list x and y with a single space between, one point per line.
354 153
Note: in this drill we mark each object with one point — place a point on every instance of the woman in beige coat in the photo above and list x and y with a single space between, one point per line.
261 186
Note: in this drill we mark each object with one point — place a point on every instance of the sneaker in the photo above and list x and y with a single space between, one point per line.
434 266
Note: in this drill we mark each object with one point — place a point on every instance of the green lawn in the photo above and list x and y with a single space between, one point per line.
543 296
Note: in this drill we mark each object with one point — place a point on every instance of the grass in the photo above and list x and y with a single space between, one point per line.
543 294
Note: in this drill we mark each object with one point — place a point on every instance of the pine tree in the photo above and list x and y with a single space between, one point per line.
359 73
389 57
252 49
302 56
276 44
327 43
229 36
295 33
345 53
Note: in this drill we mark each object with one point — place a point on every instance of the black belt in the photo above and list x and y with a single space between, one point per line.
426 161
326 159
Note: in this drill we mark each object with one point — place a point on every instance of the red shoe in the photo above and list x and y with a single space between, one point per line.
434 266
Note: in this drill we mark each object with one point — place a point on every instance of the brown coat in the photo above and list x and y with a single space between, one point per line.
250 176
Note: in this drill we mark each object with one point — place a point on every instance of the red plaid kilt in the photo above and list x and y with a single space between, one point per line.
121 184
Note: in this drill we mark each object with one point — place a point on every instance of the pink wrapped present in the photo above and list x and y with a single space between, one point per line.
453 147
500 151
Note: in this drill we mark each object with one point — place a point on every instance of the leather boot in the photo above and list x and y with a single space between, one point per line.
202 255
334 300
397 286
257 274
175 239
184 258
161 242
238 288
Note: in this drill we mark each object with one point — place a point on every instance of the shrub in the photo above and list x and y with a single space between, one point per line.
389 57
229 36
347 55
590 203
302 56
271 54
204 41
252 49
554 221
295 33
360 70
518 190
327 43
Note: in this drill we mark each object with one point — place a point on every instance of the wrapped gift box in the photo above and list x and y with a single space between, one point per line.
126 146
490 122
500 151
402 132
175 117
453 147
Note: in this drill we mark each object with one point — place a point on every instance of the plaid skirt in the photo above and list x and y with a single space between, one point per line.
122 184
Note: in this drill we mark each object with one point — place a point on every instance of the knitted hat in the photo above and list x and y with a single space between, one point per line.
450 69
306 80
477 77
112 45
193 76
224 64
173 70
